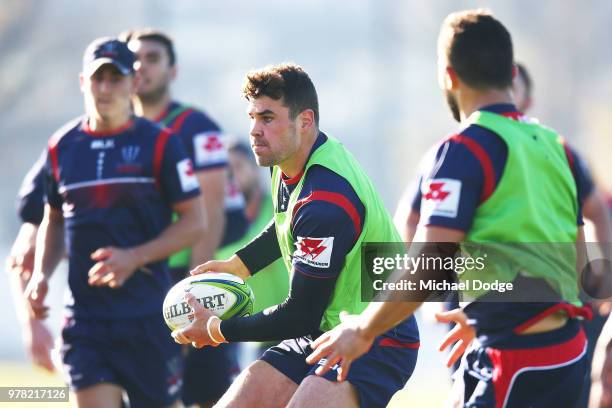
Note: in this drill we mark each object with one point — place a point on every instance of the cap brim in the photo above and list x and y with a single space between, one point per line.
93 66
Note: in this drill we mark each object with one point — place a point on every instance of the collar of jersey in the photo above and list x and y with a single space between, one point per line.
289 181
105 133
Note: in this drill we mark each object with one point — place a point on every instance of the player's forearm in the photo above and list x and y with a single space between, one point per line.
261 251
299 315
49 242
182 234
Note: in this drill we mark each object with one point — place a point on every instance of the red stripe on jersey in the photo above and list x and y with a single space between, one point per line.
289 181
507 364
516 115
485 163
104 133
334 198
52 148
388 342
176 126
571 310
158 155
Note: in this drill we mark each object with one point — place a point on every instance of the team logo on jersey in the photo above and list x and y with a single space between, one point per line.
102 144
314 251
129 154
209 149
440 197
187 176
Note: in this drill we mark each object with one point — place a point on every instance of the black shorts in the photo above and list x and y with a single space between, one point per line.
377 375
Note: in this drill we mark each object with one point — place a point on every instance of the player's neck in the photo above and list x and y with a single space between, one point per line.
471 100
292 166
107 124
149 109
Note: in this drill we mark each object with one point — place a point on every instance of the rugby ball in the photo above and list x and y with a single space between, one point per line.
224 294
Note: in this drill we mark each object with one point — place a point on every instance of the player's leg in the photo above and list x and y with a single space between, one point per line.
260 385
92 381
319 392
215 367
373 378
99 396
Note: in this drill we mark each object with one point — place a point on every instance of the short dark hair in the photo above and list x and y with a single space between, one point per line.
288 82
479 48
151 34
526 77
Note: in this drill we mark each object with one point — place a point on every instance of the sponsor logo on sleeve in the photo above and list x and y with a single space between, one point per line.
314 251
187 176
209 148
440 197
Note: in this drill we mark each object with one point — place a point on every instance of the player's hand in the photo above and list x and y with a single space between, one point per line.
35 294
21 259
39 343
341 345
233 265
114 266
196 333
461 335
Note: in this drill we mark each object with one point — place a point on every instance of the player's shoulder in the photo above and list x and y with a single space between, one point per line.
68 130
328 193
198 120
321 178
147 130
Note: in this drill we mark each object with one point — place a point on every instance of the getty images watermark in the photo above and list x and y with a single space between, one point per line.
515 272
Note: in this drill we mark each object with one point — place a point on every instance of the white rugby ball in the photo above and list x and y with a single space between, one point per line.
224 294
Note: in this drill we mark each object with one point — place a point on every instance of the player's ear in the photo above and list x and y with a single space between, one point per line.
306 119
514 72
173 72
81 81
451 80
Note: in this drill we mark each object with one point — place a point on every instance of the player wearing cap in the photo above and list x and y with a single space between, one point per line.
501 179
112 182
325 207
205 144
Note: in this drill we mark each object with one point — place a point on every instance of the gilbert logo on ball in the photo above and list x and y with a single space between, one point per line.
224 294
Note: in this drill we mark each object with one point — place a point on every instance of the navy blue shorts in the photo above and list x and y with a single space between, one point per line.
550 372
209 372
376 375
136 354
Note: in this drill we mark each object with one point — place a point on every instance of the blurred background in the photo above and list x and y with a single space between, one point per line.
373 63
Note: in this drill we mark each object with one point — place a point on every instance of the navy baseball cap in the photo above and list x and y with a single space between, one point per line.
108 50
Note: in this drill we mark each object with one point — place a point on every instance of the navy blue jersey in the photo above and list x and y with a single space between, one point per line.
456 160
116 189
328 214
30 203
458 163
206 145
